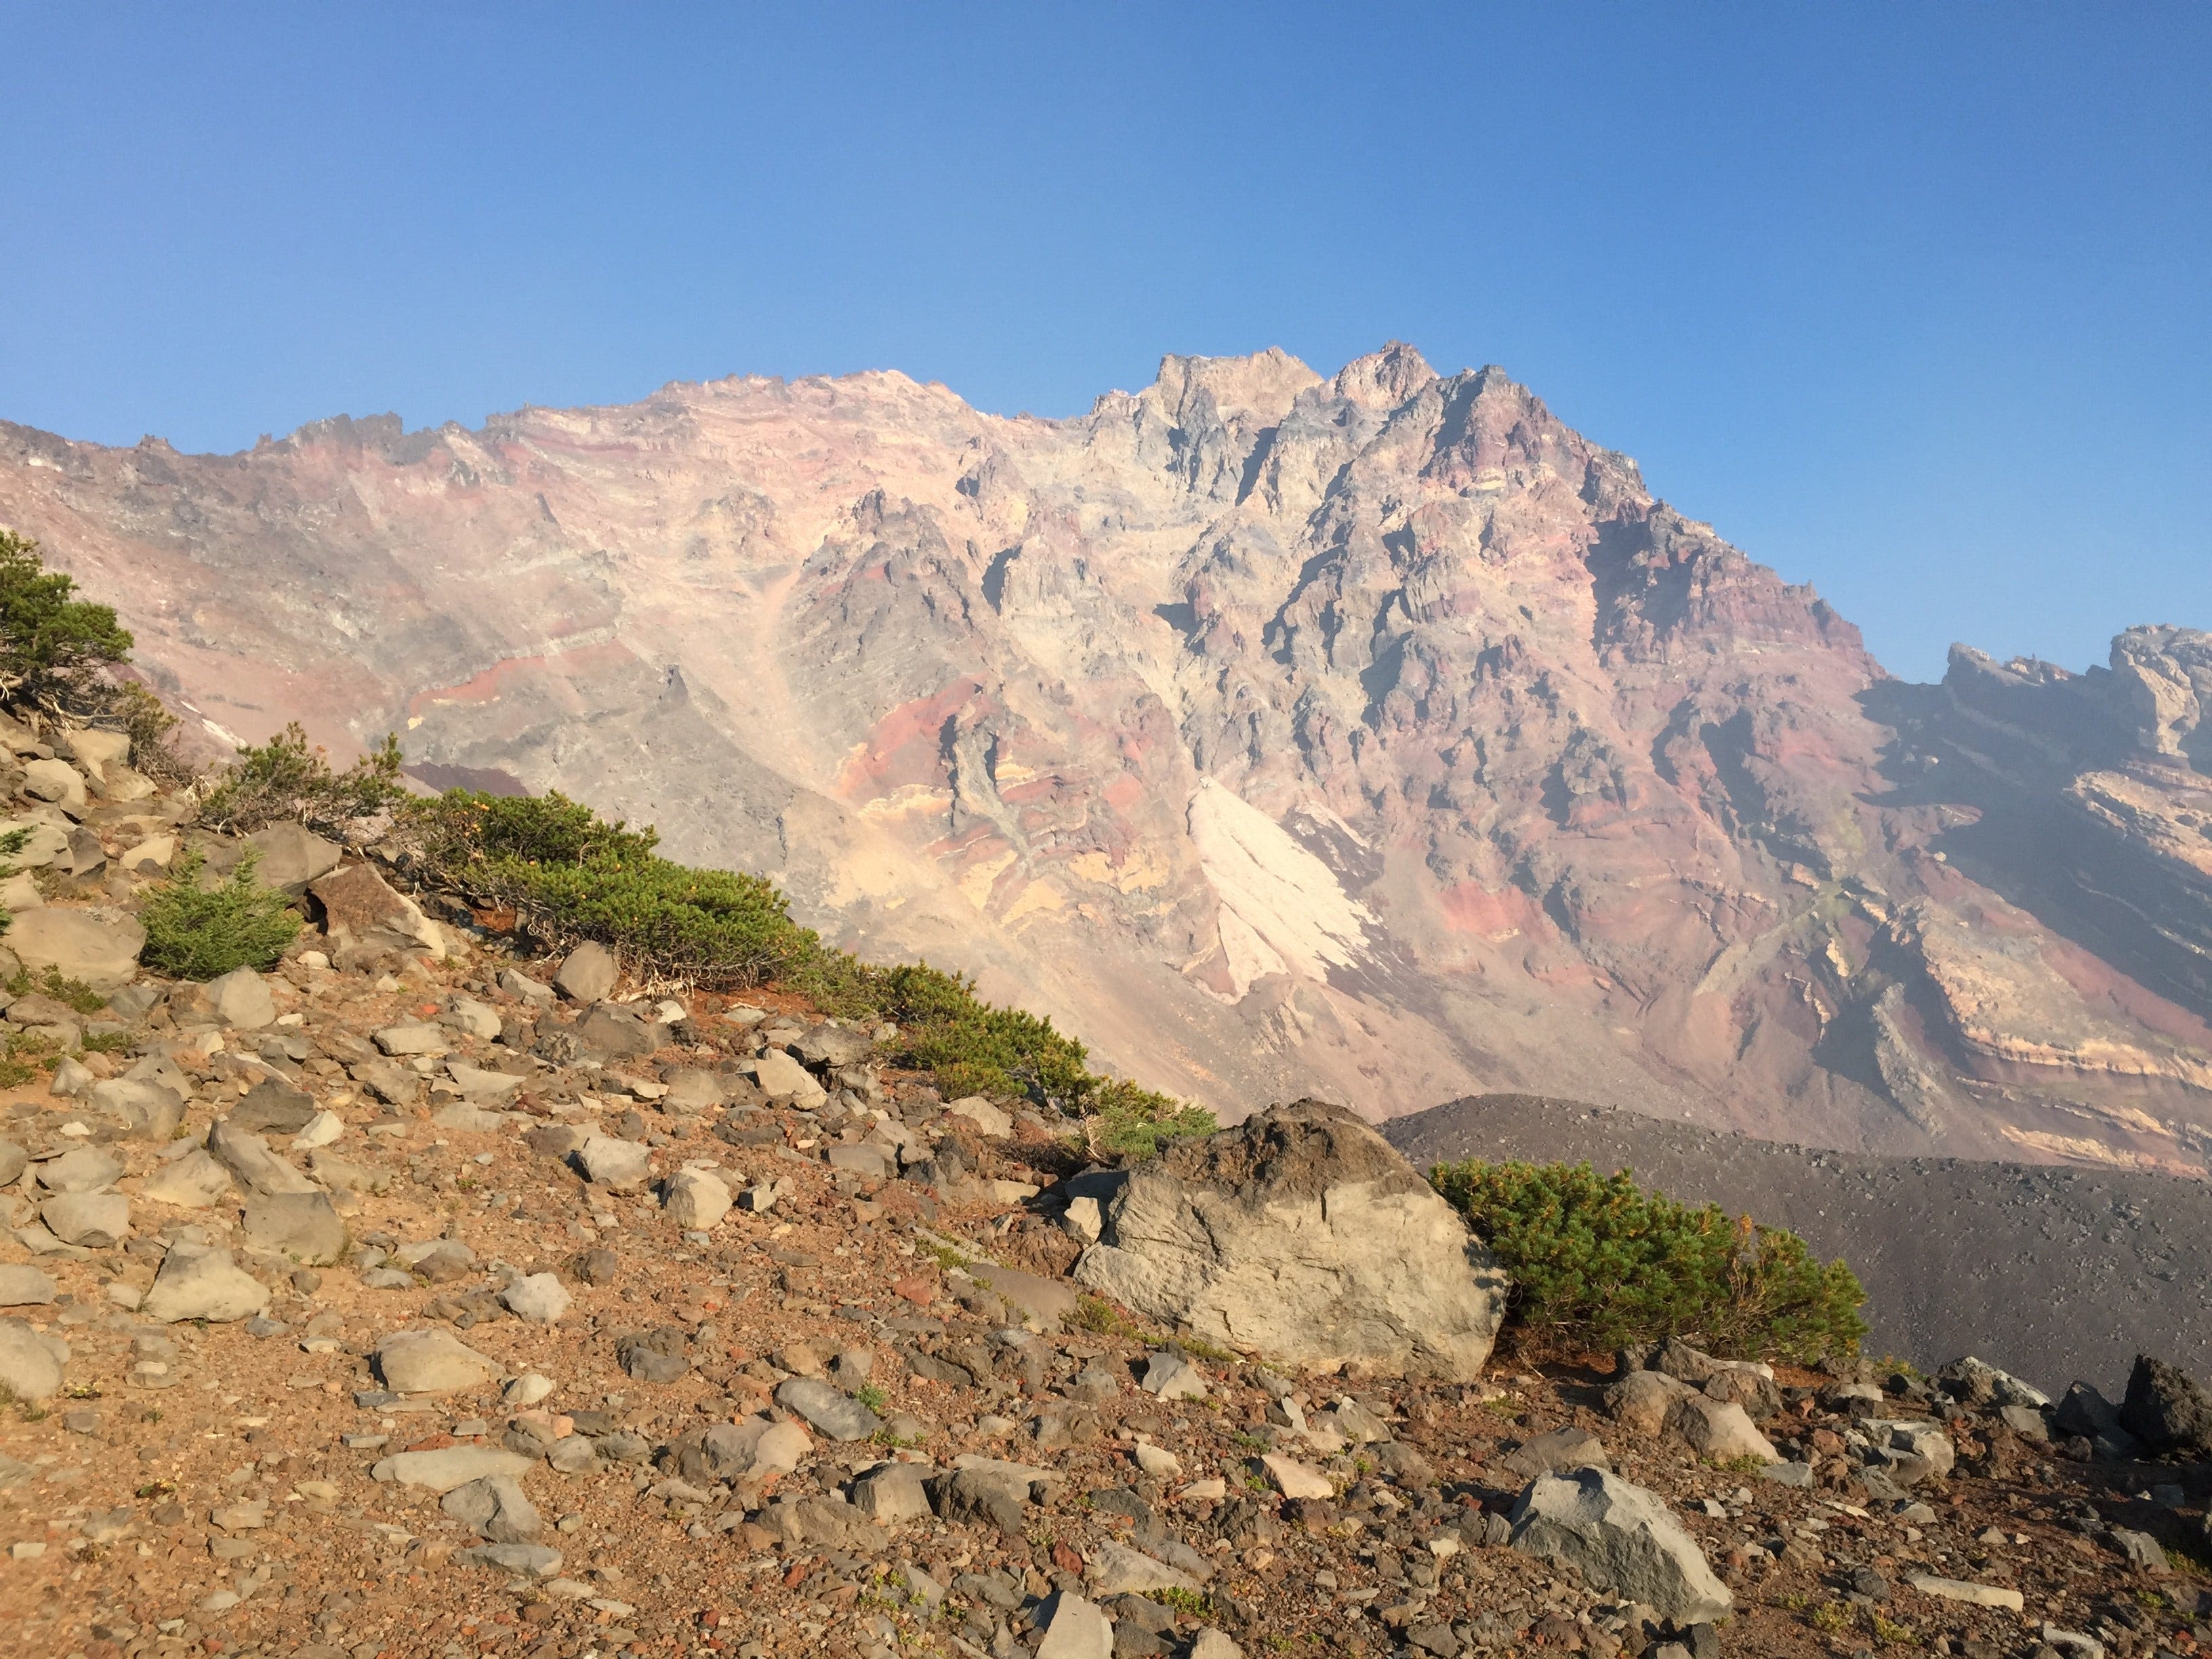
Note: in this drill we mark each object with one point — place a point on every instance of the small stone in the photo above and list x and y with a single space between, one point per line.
540 1560
320 1130
527 1389
1173 1377
1075 1629
197 1282
30 1366
1117 1570
240 999
408 1041
696 1200
96 1221
449 1466
994 1122
1156 1460
304 1226
541 1299
892 1494
81 1170
192 1183
620 1166
1719 1430
782 1078
1958 1589
1295 1480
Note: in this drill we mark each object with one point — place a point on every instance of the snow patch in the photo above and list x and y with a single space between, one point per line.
1282 910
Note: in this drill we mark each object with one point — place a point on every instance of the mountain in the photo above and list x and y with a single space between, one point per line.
1375 736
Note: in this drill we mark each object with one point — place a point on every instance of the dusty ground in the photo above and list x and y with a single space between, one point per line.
109 1492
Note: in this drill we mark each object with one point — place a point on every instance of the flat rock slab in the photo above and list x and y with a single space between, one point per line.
304 1226
1295 1480
1075 1629
431 1362
30 1362
1044 1303
834 1413
1959 1589
540 1299
1553 1453
1117 1569
24 1286
78 945
448 1466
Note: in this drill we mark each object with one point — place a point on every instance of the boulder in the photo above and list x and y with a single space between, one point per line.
1556 1452
615 1033
30 1363
994 1122
78 945
1624 1541
239 999
95 749
58 782
695 1200
620 1166
588 974
497 1507
96 1221
273 1107
304 1226
783 1079
44 843
292 856
539 1298
148 1110
523 989
431 1362
1641 1400
1075 1629
1719 1430
191 1183
2165 1409
834 1046
1302 1235
200 1283
836 1415
81 1169
258 1169
24 1287
362 914
752 1449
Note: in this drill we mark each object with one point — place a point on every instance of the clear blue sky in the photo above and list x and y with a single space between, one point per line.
1910 301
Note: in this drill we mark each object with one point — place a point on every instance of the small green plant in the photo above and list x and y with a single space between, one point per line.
1888 1630
1197 1603
1095 1314
288 780
73 993
1744 1465
54 648
1596 1262
1833 1617
107 1043
871 1397
199 933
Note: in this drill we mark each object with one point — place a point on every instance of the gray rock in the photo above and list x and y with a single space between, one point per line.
199 1283
833 1045
523 989
192 1183
96 1221
79 945
892 1494
589 973
240 999
540 1299
14 1160
1719 1430
613 1033
1303 1236
55 780
695 1200
30 1364
538 1560
620 1166
836 1415
1171 1376
448 1466
692 1091
1075 1629
292 855
431 1362
782 1078
148 1110
24 1286
1622 1539
1211 1644
1557 1452
1117 1569
2165 1409
497 1507
247 1156
1641 1400
273 1107
81 1170
411 1038
72 1079
302 1225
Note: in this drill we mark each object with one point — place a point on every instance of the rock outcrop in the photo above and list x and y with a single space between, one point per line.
1301 1237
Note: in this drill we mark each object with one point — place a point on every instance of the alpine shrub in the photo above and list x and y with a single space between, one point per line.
1596 1262
287 779
199 932
53 647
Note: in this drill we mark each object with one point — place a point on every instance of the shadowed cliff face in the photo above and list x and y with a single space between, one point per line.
1377 737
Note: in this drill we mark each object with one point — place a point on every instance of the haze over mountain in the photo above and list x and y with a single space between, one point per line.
1375 736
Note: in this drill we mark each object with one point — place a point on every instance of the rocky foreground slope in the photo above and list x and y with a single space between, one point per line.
412 1300
1374 735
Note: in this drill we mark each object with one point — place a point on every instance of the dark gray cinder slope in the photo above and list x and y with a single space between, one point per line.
2051 1271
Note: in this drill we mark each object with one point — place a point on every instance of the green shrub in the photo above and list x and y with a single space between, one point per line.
567 876
54 648
288 780
198 932
1596 1262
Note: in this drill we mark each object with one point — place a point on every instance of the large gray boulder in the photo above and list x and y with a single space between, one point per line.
1303 1237
200 1283
1624 1541
79 945
292 855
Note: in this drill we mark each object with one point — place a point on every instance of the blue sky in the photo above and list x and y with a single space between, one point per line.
1910 301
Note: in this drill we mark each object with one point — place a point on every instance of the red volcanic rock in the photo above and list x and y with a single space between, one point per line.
1376 737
